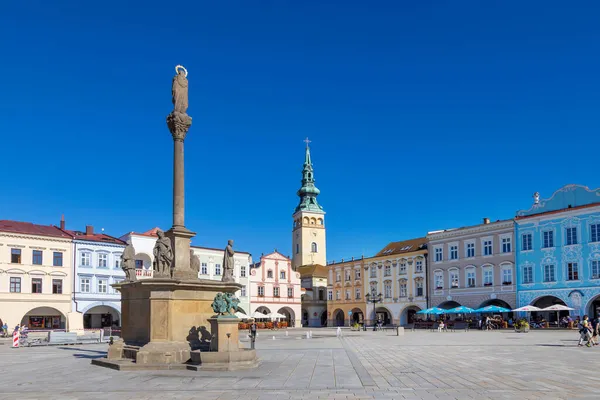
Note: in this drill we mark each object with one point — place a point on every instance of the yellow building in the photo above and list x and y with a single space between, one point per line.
346 303
314 299
36 276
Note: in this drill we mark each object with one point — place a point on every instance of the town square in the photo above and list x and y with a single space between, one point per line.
299 201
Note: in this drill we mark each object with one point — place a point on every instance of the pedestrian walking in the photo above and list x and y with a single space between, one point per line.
585 332
595 327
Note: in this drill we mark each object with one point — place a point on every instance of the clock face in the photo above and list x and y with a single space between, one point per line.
314 233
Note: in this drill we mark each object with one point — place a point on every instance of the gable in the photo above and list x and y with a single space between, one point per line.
569 196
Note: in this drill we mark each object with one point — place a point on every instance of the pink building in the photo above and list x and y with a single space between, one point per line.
275 288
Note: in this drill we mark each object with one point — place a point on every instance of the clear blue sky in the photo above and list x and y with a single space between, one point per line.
423 115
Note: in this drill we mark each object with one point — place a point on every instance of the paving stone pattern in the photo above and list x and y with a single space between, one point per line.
360 365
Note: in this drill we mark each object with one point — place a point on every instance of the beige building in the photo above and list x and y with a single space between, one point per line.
314 298
36 276
345 293
473 266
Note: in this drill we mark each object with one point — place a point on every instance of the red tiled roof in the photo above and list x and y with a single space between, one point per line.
151 232
95 237
28 228
405 246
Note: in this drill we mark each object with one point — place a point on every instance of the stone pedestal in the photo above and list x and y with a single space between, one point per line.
180 241
225 334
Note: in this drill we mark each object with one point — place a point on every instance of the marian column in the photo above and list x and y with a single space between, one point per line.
179 123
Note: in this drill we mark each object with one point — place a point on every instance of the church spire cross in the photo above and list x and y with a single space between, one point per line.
307 141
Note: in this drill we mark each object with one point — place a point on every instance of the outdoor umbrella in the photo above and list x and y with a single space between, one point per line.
527 309
241 315
275 315
259 315
432 310
558 308
492 309
460 310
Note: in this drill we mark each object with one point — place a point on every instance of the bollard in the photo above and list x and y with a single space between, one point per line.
273 337
397 331
15 339
310 334
338 332
286 333
307 336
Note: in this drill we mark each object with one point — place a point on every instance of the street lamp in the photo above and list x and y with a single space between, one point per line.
373 299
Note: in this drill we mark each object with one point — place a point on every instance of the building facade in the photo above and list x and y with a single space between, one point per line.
558 257
36 276
314 298
211 267
97 261
143 244
473 266
345 293
275 287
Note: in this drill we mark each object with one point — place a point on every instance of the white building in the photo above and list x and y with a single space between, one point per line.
211 267
97 264
275 287
211 262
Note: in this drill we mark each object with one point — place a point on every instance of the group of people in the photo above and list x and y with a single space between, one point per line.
588 331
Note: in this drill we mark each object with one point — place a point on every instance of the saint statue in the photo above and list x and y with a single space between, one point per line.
163 255
179 90
128 263
194 262
228 263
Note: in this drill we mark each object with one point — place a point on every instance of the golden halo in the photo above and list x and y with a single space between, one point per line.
183 68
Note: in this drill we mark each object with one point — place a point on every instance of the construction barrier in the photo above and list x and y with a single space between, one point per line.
15 339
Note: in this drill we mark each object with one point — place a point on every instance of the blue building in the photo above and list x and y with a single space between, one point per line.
558 255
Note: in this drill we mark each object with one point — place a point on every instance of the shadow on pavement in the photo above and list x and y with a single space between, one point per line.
79 349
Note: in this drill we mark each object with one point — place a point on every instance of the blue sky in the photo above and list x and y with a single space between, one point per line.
422 115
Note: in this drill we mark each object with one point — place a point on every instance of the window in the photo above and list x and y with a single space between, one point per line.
595 233
387 289
439 280
454 278
572 272
297 248
548 239
454 252
527 273
471 277
357 274
15 285
373 272
102 286
403 291
403 267
419 286
507 276
348 275
261 291
357 293
243 291
117 261
439 254
84 285
595 269
218 270
470 250
329 295
37 257
102 260
488 276
487 248
388 270
506 245
337 294
57 259
419 266
571 236
290 291
56 286
275 292
338 276
36 285
321 294
313 247
243 271
139 264
549 273
526 242
347 294
204 268
15 256
281 274
86 259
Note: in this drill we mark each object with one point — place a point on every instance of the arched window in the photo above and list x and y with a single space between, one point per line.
297 248
320 221
313 247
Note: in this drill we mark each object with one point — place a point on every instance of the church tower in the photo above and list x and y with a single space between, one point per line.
308 235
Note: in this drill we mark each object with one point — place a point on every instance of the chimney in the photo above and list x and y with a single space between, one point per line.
62 222
486 221
89 230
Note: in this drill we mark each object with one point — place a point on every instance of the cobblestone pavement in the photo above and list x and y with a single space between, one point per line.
360 365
